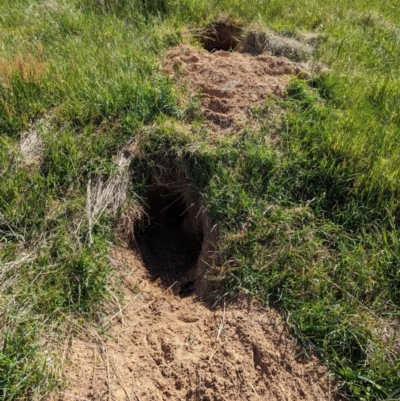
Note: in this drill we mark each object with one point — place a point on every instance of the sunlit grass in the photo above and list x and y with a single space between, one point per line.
310 224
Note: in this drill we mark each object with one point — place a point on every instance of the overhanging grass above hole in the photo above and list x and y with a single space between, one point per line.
221 36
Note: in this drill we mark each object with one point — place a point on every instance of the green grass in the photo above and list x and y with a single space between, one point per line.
309 224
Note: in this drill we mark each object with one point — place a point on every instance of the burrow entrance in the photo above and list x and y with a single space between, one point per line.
221 36
174 239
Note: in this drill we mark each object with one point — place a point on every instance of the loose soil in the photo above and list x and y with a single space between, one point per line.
231 83
163 347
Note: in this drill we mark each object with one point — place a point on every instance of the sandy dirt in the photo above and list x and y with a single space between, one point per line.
163 347
230 83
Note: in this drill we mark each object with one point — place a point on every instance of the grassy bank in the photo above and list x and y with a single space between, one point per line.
309 224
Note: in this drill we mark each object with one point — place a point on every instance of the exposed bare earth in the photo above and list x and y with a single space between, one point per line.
230 83
163 347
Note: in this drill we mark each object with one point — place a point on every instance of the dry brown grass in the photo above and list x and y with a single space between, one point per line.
112 191
31 143
258 40
26 66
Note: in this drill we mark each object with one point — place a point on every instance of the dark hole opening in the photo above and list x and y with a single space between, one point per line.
221 36
170 240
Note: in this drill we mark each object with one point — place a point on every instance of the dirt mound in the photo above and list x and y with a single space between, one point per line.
230 83
163 347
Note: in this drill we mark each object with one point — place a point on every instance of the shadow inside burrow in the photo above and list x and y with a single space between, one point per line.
173 239
221 35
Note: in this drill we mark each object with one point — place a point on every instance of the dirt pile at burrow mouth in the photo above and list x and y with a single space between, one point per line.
231 83
164 347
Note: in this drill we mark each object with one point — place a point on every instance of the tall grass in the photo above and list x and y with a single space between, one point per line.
309 224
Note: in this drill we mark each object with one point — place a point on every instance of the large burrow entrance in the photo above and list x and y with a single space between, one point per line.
174 239
221 35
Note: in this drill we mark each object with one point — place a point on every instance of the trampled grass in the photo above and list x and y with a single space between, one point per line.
309 224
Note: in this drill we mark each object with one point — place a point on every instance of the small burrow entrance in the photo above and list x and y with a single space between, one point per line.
221 36
173 239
